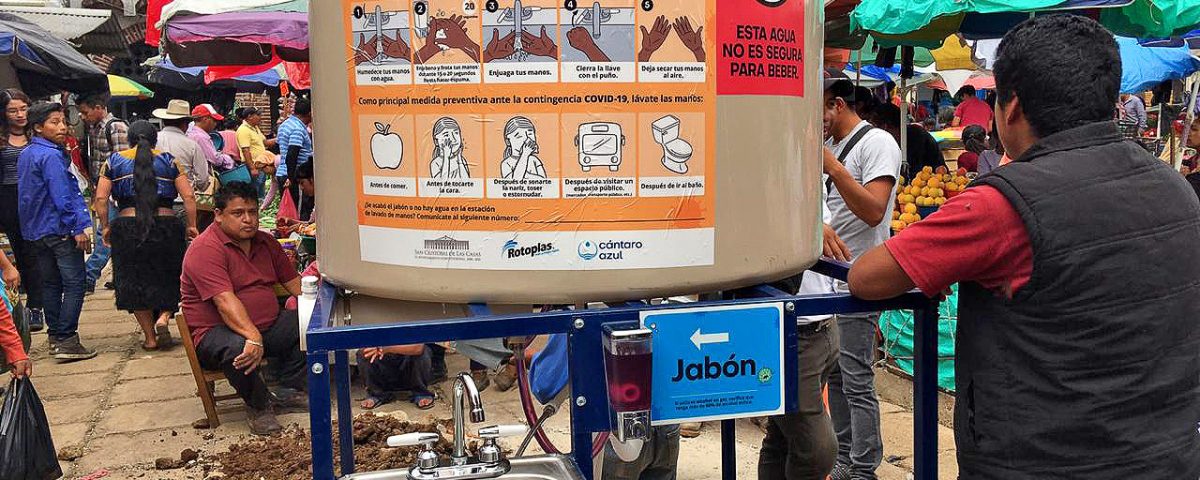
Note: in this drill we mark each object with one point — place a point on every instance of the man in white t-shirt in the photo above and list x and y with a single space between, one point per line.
861 166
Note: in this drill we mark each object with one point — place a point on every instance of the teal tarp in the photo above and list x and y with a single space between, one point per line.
897 328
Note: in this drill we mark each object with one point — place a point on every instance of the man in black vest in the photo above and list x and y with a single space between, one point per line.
1078 351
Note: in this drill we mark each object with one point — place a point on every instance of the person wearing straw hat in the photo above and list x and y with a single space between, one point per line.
173 139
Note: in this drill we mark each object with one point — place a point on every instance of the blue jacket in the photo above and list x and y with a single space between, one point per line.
51 203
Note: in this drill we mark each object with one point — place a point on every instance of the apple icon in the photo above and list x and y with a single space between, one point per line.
387 149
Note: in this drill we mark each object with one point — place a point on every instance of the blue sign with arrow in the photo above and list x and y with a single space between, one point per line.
716 363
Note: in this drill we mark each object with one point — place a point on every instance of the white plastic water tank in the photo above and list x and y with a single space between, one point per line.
454 163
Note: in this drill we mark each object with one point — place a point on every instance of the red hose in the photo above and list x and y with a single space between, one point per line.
527 402
531 417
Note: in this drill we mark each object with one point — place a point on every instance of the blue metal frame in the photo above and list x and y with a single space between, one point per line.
589 407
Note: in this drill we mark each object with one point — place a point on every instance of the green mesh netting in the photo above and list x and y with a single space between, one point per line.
897 328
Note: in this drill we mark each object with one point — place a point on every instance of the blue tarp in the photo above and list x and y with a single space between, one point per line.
1190 40
1144 67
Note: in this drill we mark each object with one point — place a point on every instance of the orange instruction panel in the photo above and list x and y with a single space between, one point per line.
534 134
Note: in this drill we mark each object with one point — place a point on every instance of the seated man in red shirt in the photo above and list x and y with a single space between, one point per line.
228 291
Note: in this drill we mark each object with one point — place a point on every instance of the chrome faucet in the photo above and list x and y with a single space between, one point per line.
464 386
491 464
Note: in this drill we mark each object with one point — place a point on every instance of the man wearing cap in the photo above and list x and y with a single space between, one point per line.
861 165
205 121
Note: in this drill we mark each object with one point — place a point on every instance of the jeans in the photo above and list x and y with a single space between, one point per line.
100 251
852 400
281 343
397 373
488 352
60 264
802 445
24 251
658 460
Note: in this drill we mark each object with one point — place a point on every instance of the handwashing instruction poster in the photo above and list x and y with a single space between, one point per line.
539 134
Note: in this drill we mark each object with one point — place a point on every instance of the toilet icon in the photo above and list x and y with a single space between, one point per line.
676 151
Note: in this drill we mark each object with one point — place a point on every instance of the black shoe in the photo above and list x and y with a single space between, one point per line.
285 398
109 286
70 349
37 320
262 422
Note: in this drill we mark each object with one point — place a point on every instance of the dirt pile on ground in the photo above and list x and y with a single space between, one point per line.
288 455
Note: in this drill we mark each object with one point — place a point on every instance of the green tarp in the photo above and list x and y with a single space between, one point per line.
897 328
926 22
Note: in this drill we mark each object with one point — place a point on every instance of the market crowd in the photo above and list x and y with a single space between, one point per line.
1078 343
199 215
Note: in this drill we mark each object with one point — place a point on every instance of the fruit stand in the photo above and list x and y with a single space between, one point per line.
928 190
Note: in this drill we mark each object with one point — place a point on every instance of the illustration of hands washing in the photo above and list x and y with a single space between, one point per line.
519 33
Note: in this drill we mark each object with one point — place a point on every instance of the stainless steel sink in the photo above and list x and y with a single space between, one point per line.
547 467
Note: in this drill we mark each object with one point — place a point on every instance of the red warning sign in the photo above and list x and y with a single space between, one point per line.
760 47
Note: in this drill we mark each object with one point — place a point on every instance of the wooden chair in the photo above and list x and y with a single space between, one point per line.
205 379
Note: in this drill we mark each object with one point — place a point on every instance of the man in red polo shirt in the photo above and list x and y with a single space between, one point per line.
229 302
972 110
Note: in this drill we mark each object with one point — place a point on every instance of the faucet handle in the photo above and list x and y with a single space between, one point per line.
498 431
410 439
489 452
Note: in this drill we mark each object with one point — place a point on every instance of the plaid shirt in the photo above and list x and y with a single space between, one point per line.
99 147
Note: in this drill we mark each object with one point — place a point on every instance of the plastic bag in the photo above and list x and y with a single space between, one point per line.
26 449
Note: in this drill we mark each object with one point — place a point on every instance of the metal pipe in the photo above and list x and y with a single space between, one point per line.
596 20
518 27
464 386
378 35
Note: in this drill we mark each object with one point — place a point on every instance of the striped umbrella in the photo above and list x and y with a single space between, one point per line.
124 88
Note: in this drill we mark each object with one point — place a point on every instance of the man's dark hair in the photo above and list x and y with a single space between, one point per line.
95 100
1065 69
230 191
843 89
304 171
180 123
886 115
38 114
966 91
303 106
863 96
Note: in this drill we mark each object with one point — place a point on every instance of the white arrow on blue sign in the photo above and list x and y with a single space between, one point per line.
716 363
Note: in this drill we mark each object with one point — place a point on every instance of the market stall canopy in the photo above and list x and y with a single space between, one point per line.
40 64
981 81
1144 67
165 73
926 22
124 88
64 23
837 25
239 32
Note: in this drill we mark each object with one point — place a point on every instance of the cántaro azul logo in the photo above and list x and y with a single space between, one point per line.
607 250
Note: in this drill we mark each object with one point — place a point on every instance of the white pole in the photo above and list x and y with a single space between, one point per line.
1177 154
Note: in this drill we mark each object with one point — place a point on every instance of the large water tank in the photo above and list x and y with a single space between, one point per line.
563 151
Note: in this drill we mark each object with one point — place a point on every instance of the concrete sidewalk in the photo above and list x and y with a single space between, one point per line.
125 408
